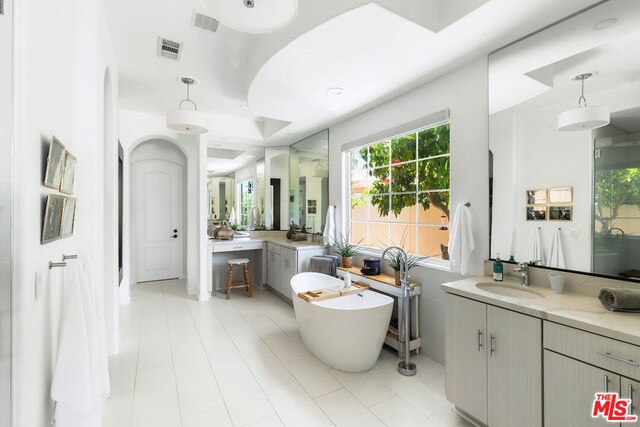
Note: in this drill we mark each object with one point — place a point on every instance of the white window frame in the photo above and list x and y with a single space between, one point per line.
430 121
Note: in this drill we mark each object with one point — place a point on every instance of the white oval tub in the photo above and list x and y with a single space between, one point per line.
346 333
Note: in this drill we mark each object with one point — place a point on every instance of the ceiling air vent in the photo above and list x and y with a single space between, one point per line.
168 48
205 22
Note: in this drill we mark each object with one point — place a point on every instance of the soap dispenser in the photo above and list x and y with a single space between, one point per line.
347 280
497 269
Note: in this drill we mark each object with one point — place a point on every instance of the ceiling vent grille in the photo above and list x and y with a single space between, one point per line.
205 22
168 48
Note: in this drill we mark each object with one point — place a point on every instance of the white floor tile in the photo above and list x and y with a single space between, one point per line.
314 376
363 386
295 408
154 354
122 374
448 418
154 384
437 384
189 359
286 348
161 413
396 412
228 365
250 345
217 417
269 371
345 410
246 401
198 392
272 421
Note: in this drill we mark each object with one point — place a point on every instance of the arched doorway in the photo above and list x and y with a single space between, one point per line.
158 214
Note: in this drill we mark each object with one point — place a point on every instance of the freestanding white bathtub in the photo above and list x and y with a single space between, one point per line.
347 332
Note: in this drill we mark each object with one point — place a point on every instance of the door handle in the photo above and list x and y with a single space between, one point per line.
493 345
175 230
175 236
479 339
630 397
606 383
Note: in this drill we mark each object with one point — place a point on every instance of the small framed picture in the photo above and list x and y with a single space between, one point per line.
68 217
68 173
53 172
311 210
536 197
52 218
560 213
536 213
561 195
311 203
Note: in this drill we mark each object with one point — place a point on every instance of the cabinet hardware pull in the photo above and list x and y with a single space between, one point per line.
493 344
618 358
631 399
606 383
479 339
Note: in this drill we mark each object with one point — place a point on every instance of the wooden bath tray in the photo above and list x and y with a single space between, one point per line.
332 292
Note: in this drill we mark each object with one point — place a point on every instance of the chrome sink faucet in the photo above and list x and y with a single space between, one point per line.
523 269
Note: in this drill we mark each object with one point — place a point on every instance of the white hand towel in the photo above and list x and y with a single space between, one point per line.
556 253
232 216
71 387
329 233
535 251
461 242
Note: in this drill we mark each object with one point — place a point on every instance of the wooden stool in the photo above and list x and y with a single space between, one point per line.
239 262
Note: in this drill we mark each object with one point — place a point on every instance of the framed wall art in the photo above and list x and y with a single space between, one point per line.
52 218
68 173
68 217
55 159
536 213
560 213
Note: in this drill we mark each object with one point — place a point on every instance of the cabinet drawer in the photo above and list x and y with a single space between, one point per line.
228 247
606 353
273 248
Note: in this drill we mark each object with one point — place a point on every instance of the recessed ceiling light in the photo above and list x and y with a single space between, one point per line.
335 90
604 24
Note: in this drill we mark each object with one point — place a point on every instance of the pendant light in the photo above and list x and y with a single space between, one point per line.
187 121
253 16
584 117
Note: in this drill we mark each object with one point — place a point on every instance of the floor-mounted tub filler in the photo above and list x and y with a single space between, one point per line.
347 332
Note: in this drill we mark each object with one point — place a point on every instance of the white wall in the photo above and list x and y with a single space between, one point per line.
464 92
136 128
61 52
6 172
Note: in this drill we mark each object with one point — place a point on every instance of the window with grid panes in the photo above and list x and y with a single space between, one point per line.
399 192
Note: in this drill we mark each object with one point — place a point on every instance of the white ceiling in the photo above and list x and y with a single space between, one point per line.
272 89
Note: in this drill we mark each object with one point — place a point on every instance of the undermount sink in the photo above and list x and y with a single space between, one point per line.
509 291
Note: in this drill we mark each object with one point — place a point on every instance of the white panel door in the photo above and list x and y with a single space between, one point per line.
158 206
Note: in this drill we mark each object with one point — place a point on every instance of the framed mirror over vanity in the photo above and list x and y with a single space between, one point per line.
540 146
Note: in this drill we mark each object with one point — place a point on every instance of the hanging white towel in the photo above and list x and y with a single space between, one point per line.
71 388
253 218
461 242
232 216
556 253
329 233
535 251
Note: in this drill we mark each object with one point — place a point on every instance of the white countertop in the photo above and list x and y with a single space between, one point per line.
575 310
274 240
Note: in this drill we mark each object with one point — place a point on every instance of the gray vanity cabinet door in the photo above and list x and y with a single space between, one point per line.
466 355
630 389
288 269
273 271
514 365
569 390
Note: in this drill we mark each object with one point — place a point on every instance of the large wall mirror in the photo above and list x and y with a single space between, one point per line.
578 186
309 182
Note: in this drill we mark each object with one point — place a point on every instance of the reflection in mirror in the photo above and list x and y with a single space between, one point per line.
309 182
585 181
220 197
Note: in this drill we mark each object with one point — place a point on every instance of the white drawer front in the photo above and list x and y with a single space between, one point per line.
615 356
229 247
273 248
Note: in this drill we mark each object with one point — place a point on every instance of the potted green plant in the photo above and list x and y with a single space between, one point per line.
346 249
394 258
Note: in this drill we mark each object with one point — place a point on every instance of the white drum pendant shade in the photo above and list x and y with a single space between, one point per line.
584 118
253 16
187 121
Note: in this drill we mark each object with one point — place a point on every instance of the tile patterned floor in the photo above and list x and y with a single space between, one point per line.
242 363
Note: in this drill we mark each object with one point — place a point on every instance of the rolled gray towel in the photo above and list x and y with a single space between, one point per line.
620 299
336 261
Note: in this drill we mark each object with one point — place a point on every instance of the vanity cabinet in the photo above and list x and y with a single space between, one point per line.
284 262
571 380
494 363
